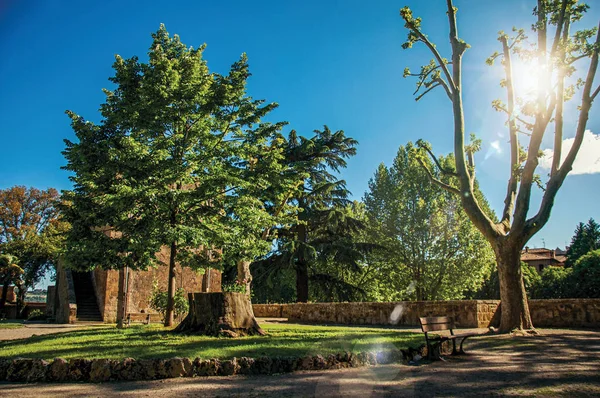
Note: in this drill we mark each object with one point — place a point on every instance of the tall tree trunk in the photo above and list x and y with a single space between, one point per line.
21 290
514 307
302 268
4 295
169 315
301 282
121 300
243 275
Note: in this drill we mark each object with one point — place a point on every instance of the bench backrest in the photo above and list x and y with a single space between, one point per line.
435 323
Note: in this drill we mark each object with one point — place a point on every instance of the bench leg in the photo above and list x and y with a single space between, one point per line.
461 345
430 351
454 347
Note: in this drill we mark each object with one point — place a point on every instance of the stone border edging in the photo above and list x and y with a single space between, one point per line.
102 370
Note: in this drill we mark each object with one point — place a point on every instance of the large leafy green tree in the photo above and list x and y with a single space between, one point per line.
432 249
32 232
585 239
557 49
176 161
321 198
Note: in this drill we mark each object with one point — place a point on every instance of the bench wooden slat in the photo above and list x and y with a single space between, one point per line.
435 319
436 326
435 323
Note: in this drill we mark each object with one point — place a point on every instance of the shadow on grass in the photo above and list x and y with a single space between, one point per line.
150 342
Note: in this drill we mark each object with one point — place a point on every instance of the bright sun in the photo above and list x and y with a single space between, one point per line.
525 77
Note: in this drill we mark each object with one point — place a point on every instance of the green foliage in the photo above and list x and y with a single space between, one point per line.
36 315
490 288
555 283
273 286
585 279
180 159
10 272
323 234
585 239
31 233
432 251
236 287
158 301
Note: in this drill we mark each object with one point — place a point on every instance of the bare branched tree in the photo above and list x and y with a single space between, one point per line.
556 51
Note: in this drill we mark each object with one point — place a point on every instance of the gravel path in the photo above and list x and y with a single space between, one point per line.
559 362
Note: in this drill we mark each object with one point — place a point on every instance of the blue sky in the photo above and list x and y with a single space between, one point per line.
328 62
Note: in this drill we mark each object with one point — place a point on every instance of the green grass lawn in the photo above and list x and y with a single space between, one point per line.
155 342
10 324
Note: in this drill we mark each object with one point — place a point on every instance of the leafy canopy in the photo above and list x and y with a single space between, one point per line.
432 250
180 158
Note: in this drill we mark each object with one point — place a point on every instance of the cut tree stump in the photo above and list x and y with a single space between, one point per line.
220 314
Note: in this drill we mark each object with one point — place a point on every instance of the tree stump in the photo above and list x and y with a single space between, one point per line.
220 314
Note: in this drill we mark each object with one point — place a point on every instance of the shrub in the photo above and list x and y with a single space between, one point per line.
158 301
555 283
236 287
36 315
585 279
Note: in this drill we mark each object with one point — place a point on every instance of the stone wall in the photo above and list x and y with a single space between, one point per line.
99 279
102 370
467 313
565 312
488 313
405 313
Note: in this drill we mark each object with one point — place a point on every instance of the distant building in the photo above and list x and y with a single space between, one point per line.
540 258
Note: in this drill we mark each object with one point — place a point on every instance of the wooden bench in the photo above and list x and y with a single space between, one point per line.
440 323
145 318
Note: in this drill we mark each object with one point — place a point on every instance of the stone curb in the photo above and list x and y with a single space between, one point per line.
102 370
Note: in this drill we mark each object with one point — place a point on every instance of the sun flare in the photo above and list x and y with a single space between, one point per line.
526 75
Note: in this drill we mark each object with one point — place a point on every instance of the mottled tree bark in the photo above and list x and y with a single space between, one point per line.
244 276
220 314
515 309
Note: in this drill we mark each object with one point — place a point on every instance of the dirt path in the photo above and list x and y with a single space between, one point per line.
560 362
28 330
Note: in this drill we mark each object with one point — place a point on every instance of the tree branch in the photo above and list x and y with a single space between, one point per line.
515 117
534 224
423 76
575 59
511 191
595 93
558 122
443 83
559 27
439 183
436 161
437 56
426 91
471 159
